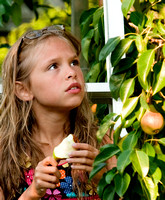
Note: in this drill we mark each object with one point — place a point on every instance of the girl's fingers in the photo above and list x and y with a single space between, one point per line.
49 161
82 167
84 150
41 184
47 178
84 161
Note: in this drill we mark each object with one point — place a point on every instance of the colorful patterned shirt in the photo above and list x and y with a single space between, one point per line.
64 189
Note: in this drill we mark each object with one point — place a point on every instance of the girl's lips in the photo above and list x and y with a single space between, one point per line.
74 88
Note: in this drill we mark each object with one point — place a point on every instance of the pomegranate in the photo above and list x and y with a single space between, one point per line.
152 121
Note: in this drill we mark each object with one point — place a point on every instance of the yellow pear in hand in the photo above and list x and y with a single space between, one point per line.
64 148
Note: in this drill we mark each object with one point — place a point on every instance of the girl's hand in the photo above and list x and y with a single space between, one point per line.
83 156
46 176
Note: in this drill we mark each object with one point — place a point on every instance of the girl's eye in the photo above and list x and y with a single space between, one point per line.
75 63
53 66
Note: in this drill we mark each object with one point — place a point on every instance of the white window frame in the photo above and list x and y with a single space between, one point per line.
114 26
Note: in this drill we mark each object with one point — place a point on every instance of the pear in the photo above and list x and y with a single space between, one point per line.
152 121
64 148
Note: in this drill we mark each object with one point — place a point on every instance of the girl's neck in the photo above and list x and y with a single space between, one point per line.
50 129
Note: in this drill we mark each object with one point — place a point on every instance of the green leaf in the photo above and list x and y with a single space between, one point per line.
143 100
162 141
16 14
144 64
107 152
96 36
121 183
123 160
85 21
126 6
108 47
159 83
123 66
110 175
149 149
96 169
160 27
94 72
129 106
101 186
127 89
130 141
140 162
139 43
120 50
97 15
151 187
86 43
163 50
109 193
9 2
156 174
115 84
116 134
105 125
129 121
139 113
2 9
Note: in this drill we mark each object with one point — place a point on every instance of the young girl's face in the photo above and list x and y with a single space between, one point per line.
56 81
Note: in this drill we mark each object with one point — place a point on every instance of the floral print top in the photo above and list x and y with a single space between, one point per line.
64 189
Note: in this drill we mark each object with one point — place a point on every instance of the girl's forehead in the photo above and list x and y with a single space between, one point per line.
50 47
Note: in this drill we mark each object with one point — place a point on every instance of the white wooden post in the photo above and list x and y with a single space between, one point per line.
114 26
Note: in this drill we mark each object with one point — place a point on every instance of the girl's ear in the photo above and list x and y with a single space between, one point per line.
22 91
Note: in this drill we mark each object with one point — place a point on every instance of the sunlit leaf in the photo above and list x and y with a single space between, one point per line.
159 82
151 187
163 50
144 64
126 6
162 141
161 27
156 174
127 89
139 113
129 106
139 43
140 162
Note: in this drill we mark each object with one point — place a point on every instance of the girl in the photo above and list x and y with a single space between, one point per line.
43 101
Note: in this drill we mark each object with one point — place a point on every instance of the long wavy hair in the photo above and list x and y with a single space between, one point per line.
17 146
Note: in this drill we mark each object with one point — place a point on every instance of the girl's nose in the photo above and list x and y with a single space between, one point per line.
71 73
